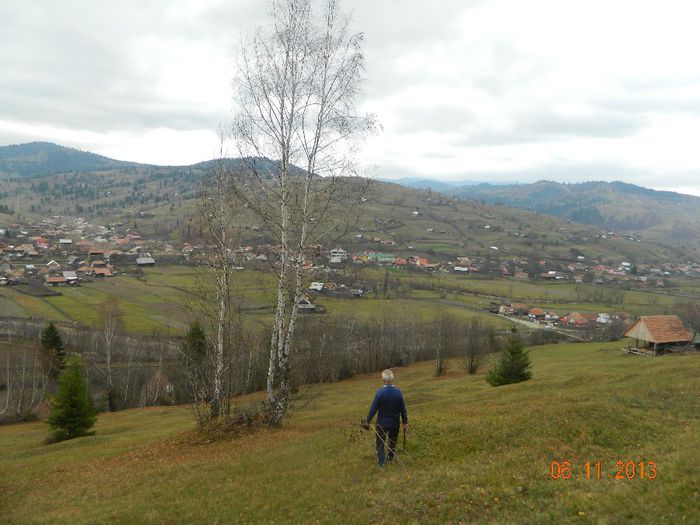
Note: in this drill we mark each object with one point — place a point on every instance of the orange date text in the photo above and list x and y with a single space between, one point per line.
622 470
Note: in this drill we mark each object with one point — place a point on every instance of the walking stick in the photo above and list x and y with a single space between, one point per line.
404 439
386 446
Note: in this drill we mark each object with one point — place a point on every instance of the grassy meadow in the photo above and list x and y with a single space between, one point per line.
474 454
159 300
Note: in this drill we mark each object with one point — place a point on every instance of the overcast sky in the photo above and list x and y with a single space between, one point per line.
467 89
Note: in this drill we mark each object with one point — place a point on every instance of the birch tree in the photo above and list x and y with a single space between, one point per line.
213 302
296 88
111 326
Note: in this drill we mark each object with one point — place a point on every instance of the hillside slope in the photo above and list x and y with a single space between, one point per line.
38 159
613 206
159 200
475 454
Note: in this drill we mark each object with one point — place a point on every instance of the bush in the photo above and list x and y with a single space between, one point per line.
72 410
513 365
545 337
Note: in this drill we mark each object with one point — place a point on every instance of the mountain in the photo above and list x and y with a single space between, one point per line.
160 200
613 206
38 159
444 186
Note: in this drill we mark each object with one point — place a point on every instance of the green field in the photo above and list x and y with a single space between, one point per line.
160 300
475 454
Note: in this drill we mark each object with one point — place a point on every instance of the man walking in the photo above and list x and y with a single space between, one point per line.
389 402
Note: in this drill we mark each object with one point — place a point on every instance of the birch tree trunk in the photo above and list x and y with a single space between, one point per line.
111 325
218 212
296 126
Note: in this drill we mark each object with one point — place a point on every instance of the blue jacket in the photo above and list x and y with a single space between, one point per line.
389 402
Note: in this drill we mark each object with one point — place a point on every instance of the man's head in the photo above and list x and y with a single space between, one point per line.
387 376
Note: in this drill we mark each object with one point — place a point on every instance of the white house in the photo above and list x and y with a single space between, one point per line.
337 255
145 261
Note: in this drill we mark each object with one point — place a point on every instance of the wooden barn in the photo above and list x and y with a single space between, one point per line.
659 333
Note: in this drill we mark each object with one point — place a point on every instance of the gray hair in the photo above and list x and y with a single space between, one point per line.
388 375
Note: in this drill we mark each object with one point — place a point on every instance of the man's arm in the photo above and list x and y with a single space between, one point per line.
373 409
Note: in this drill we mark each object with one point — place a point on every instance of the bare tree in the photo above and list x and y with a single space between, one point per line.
27 377
296 87
8 380
477 340
218 211
111 324
444 339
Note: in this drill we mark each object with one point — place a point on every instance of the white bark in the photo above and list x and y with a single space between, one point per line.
111 324
296 86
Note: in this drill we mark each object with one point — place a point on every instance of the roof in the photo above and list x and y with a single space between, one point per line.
659 329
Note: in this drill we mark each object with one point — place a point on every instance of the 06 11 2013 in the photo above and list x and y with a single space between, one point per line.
596 470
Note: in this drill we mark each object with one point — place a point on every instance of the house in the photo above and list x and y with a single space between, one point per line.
460 269
53 265
579 319
65 242
145 261
70 277
505 309
659 333
305 305
381 258
520 309
103 272
551 316
55 280
604 318
536 313
316 287
337 255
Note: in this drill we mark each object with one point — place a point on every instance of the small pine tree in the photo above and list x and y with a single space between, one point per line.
52 345
72 411
195 344
513 366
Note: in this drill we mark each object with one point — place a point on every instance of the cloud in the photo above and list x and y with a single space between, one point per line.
486 87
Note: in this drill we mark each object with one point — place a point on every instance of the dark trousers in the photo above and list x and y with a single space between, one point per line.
388 435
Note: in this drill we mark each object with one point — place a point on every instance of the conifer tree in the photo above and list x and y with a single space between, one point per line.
513 366
72 410
52 345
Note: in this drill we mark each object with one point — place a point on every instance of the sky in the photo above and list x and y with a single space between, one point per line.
485 90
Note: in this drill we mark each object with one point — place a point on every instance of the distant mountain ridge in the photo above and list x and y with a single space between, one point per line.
38 159
445 186
41 159
618 206
667 217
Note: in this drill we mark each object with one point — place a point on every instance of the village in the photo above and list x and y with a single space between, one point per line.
60 251
64 250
